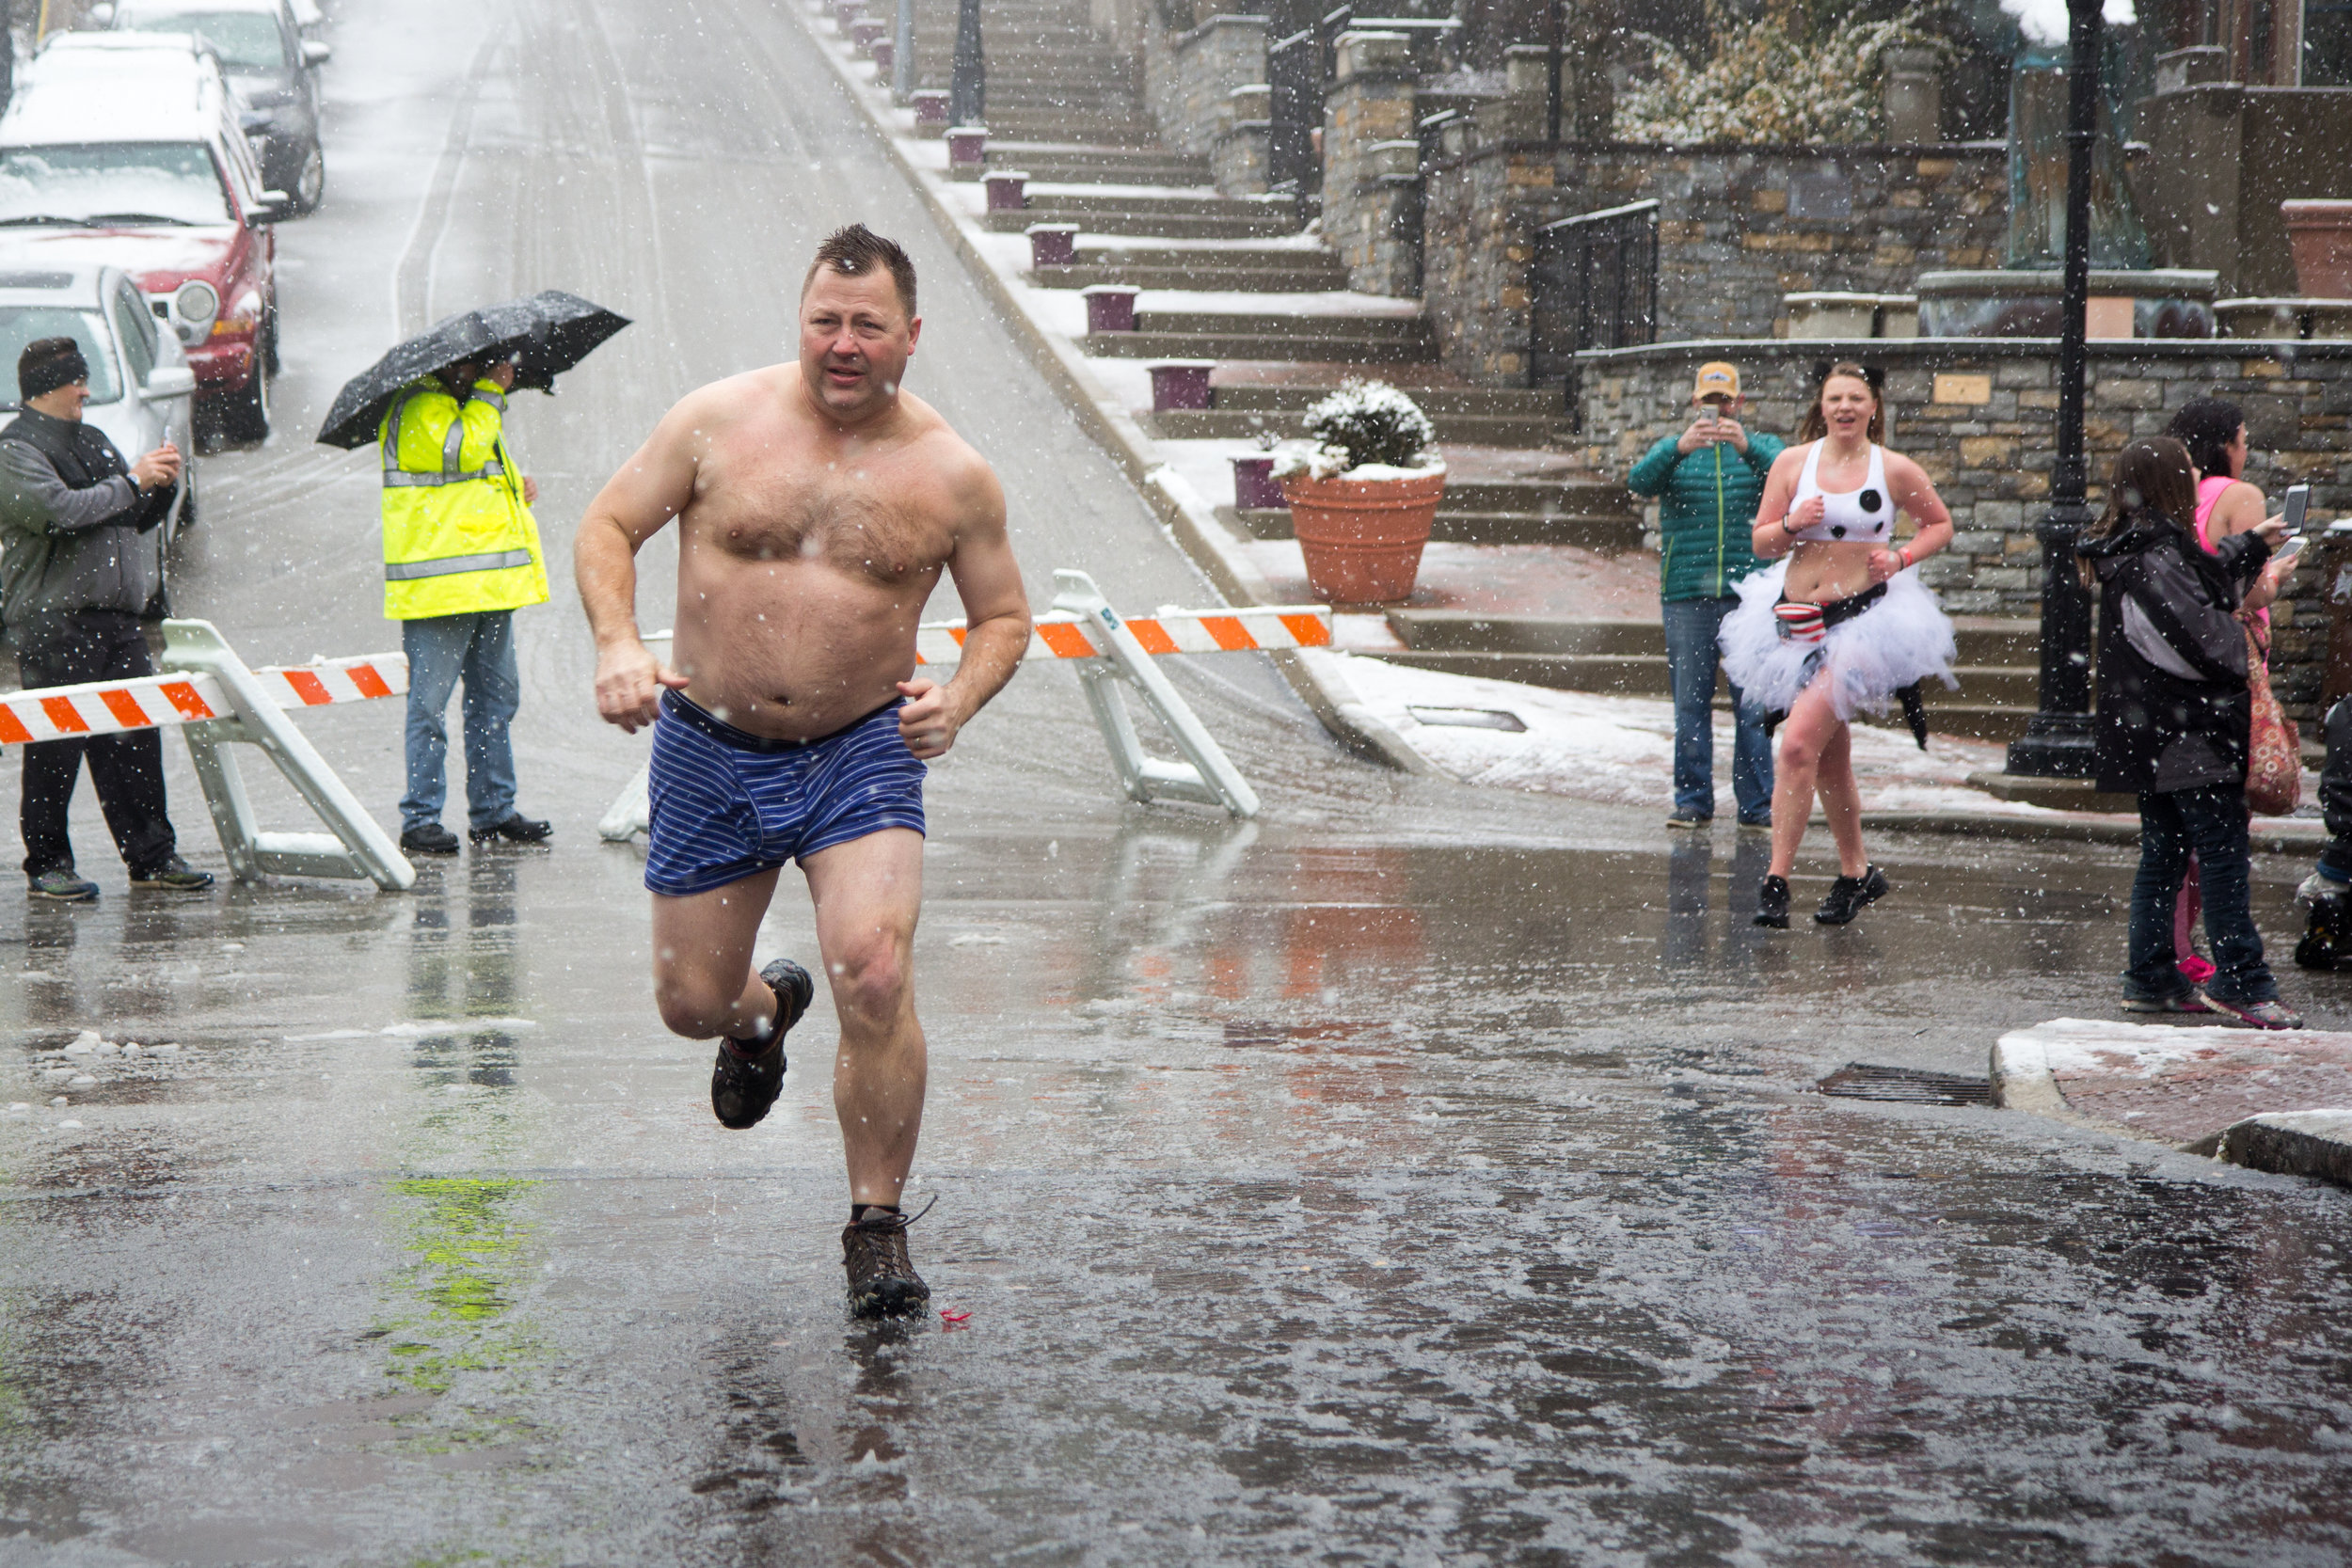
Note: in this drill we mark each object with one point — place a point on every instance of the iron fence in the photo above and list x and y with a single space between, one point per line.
1593 284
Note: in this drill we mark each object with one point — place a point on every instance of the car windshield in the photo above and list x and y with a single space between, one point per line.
244 40
122 182
21 325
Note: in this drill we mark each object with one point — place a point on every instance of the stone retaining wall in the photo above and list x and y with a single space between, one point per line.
1977 414
1739 228
1189 78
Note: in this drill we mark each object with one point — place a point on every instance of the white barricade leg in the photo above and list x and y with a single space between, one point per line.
632 812
1210 778
357 848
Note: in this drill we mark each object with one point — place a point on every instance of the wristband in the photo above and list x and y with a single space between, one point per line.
1904 556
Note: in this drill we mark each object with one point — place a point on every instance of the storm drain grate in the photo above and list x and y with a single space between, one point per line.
1907 1085
1470 719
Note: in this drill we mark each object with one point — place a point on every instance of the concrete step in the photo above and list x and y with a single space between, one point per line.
1284 324
1483 430
2004 640
1313 278
1074 163
1618 675
1606 533
1237 223
1464 631
1949 714
1170 201
1489 401
1353 347
1047 124
2006 684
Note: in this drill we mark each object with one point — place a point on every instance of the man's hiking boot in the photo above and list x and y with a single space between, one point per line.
174 875
2328 928
64 885
431 839
743 1087
1772 903
882 1281
1848 896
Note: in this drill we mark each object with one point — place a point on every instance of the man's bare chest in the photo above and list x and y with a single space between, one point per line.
868 522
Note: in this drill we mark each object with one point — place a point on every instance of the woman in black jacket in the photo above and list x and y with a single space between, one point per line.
2174 727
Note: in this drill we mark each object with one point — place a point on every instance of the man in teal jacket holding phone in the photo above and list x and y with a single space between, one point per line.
1708 482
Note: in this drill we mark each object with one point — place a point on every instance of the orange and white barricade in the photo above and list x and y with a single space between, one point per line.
208 692
1111 650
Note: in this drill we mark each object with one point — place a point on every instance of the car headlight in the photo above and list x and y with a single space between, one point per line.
197 302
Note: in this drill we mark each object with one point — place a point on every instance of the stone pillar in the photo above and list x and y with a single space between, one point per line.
1192 87
1912 95
1370 162
1238 160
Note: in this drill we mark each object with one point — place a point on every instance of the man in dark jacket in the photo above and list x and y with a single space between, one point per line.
2173 728
73 581
1708 482
2326 892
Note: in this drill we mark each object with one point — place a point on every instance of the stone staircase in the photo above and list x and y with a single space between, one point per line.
1227 268
1222 335
1151 211
1479 416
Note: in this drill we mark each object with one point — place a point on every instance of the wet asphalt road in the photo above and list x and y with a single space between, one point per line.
1419 1175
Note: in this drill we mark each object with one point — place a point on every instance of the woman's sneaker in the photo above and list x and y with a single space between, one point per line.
1772 903
2256 1015
743 1087
1848 896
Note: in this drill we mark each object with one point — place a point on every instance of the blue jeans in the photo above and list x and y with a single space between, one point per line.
480 649
2212 823
1692 657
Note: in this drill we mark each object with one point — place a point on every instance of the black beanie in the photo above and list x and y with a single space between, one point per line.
47 364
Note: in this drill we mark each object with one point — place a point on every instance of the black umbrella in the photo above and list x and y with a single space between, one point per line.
547 334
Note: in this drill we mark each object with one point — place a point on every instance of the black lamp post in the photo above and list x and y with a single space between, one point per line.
967 86
2057 740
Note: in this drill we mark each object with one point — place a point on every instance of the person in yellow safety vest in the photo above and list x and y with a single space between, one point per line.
461 555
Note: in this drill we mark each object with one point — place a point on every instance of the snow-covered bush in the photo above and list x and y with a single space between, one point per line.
1773 79
1363 424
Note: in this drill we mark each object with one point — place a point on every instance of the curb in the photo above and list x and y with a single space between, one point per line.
1315 674
2288 837
2314 1143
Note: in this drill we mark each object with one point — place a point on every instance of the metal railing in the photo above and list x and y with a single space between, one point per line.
1593 284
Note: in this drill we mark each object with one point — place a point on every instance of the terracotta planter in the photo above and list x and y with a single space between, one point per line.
2320 234
1362 538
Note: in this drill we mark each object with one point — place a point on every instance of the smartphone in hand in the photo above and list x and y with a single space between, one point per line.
2298 500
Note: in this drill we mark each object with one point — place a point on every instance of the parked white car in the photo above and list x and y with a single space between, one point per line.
140 386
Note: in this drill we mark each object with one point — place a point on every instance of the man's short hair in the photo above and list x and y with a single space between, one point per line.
47 364
857 250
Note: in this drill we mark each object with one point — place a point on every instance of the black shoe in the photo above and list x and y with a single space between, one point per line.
2327 933
175 874
431 839
882 1281
64 886
517 829
743 1087
1847 894
1772 903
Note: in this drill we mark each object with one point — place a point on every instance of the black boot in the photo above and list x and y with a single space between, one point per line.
1772 903
1847 894
2326 933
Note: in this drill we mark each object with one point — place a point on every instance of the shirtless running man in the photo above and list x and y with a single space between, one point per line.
817 505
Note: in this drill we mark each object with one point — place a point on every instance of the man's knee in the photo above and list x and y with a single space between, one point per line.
694 1002
870 976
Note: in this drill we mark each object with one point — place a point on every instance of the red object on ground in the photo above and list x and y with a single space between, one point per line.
2320 234
1181 384
1053 245
1007 190
1110 306
1362 539
1255 488
952 1318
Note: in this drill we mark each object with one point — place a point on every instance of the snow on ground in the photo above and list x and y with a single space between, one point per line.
1620 749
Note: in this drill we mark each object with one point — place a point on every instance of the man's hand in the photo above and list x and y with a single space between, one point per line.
158 468
629 685
531 491
503 373
1703 433
1731 430
929 722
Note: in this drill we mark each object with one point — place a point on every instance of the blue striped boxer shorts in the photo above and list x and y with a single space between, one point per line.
728 805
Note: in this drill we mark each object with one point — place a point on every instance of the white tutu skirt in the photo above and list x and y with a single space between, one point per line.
1902 639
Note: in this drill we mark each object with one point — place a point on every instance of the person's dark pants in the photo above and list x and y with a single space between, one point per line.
127 769
2211 824
1691 629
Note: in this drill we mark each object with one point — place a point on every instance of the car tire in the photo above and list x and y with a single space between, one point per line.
309 182
245 415
269 338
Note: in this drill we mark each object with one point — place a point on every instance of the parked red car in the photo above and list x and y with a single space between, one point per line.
125 149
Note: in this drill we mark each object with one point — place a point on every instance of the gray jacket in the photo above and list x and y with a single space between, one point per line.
70 520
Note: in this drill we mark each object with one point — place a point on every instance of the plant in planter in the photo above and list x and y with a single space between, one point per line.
1363 490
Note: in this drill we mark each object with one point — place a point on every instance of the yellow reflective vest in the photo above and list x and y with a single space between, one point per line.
457 537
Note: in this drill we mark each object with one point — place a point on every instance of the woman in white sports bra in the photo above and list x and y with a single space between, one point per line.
1842 625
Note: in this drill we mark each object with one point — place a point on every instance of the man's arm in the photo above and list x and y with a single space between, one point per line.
37 493
996 621
1648 477
636 503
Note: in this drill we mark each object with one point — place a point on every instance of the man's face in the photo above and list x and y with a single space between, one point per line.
855 341
63 404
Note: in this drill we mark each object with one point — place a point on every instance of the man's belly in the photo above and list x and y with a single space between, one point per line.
793 650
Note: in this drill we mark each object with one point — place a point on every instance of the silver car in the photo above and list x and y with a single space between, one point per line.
141 389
